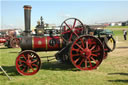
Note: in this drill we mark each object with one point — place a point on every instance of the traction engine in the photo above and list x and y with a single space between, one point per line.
10 40
74 45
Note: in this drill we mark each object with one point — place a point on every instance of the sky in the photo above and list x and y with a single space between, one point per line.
55 11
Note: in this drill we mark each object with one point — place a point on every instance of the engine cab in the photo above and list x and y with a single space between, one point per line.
40 28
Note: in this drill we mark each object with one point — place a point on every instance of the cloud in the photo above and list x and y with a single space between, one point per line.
65 15
10 26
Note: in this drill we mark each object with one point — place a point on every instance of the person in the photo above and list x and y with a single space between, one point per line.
125 34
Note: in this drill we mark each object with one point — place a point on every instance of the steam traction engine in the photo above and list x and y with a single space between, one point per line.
74 45
10 40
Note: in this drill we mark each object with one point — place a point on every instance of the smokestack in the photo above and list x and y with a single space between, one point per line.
27 18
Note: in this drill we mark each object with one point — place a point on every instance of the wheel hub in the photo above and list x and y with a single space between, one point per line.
29 62
73 29
88 52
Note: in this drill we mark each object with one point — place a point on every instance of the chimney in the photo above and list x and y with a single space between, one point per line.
27 19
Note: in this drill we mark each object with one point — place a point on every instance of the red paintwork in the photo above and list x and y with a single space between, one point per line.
2 40
71 29
86 53
43 43
28 63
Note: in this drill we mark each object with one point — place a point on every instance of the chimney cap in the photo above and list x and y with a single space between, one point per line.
27 7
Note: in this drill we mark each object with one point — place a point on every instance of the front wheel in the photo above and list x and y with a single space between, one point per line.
28 63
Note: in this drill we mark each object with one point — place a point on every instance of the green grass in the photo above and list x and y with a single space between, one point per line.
118 31
54 73
112 71
122 27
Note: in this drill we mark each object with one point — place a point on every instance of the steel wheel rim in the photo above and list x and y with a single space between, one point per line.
71 31
28 63
86 56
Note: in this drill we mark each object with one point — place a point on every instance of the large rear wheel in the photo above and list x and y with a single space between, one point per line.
86 53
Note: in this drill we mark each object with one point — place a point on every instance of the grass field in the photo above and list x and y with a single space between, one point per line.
122 27
118 31
112 71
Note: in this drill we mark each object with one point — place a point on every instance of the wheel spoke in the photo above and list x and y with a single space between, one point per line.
64 39
34 61
94 55
29 56
66 32
96 51
32 68
90 62
82 43
75 54
20 65
74 23
81 62
23 56
35 65
93 47
94 59
76 60
86 44
85 63
70 37
76 34
77 50
67 25
79 46
22 61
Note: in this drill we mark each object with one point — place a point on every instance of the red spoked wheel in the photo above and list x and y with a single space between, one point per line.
15 43
70 29
28 63
86 53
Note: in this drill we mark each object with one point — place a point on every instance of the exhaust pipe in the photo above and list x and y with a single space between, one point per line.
27 19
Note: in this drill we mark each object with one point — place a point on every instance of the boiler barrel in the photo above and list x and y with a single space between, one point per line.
42 43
